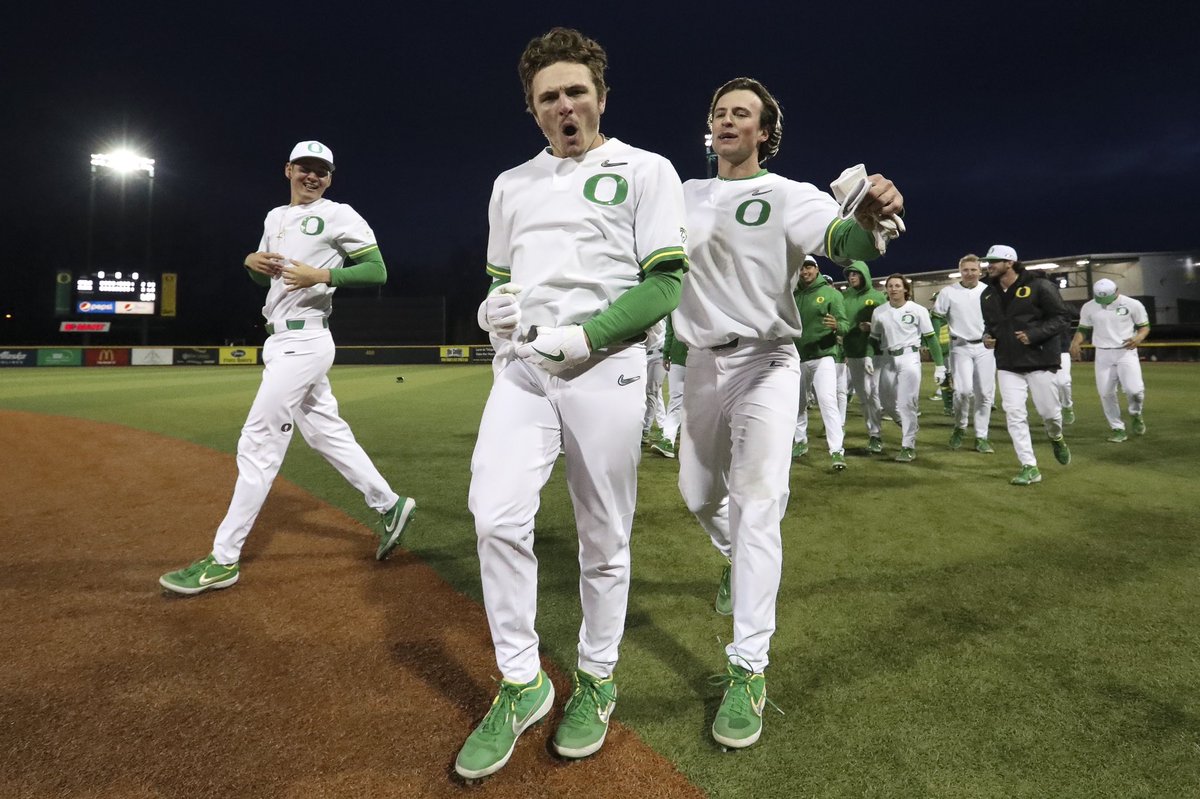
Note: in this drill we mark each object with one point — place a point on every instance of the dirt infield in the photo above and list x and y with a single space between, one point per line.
321 674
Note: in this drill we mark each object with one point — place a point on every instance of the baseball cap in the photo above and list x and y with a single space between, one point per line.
1000 252
1105 291
808 259
312 149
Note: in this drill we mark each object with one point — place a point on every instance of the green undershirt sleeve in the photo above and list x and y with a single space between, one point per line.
366 269
258 277
845 241
638 308
935 349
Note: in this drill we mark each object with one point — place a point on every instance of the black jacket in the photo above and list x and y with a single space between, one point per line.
1034 305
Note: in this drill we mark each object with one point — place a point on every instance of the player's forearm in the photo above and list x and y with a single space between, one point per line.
935 349
366 269
846 241
1140 335
636 309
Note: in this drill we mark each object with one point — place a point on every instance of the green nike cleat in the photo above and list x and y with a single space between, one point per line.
585 718
739 718
1117 435
393 524
1027 476
839 460
724 603
907 455
515 709
1138 424
956 437
1062 453
203 575
799 449
984 446
1068 414
875 445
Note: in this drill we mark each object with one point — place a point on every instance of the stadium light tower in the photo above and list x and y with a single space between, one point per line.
121 162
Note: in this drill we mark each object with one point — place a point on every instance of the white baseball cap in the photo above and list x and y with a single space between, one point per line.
1000 252
808 259
1105 291
312 149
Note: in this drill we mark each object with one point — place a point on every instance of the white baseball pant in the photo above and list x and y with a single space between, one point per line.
974 370
1063 381
900 392
656 373
1119 366
676 381
820 374
595 411
734 467
294 391
866 388
1015 389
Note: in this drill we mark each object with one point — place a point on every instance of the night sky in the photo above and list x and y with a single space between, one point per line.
1057 128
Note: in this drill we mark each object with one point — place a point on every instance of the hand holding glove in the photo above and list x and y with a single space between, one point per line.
939 375
556 349
853 189
500 311
869 365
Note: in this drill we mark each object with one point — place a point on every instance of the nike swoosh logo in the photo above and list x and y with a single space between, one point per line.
760 704
205 581
607 711
608 164
757 192
557 357
624 381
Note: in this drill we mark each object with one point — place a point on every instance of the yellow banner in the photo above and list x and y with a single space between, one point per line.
168 293
237 355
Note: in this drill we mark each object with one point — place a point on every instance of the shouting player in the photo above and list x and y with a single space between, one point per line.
586 252
300 260
748 233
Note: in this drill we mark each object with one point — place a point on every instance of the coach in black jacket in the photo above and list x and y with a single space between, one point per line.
1022 319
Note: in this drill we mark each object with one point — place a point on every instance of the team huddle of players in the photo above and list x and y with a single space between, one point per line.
591 244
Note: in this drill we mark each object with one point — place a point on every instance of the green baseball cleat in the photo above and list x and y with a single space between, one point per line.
739 718
664 447
585 718
907 455
839 460
1138 424
1068 414
393 523
1062 453
724 603
956 437
874 445
799 449
203 575
515 709
1117 435
1027 476
984 446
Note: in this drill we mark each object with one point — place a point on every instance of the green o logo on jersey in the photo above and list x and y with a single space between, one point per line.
606 189
908 319
312 225
761 213
1122 312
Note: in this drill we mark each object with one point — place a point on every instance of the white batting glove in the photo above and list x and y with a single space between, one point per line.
500 311
869 365
850 188
939 375
556 349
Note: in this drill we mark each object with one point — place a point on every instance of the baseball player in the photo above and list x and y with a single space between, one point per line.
301 259
823 320
1117 324
860 301
972 364
1062 380
748 233
897 329
1022 318
656 375
675 362
586 251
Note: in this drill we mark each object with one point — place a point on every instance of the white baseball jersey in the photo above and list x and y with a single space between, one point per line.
900 327
1113 324
748 239
322 234
578 233
960 306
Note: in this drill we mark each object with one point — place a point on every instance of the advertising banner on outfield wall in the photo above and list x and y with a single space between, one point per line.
195 356
152 356
18 357
60 357
106 356
454 354
239 355
482 354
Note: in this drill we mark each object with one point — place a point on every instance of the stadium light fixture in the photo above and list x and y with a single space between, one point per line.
954 275
1043 266
1084 262
123 162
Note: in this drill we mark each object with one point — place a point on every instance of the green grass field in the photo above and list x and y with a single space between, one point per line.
940 633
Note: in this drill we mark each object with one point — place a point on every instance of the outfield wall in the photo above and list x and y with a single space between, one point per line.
1188 351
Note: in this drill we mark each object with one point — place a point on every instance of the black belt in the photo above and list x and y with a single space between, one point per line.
967 340
299 324
902 350
728 345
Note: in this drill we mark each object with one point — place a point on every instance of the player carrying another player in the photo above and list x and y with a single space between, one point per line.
972 364
823 320
301 259
748 233
898 327
586 251
1117 325
1022 318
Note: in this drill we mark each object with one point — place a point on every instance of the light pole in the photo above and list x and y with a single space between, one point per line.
122 162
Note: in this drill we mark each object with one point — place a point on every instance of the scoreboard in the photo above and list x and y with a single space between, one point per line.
106 292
